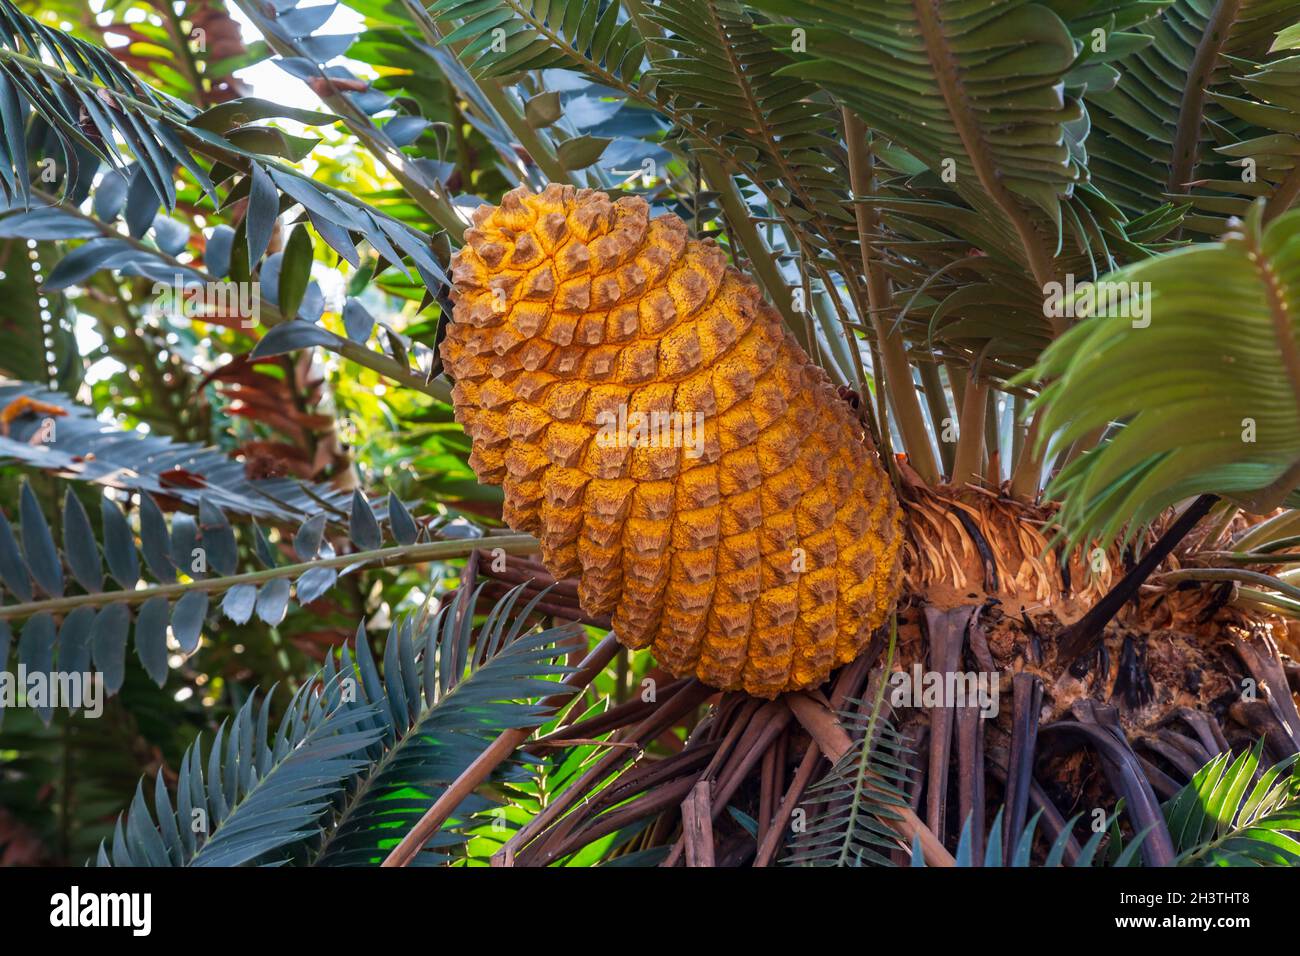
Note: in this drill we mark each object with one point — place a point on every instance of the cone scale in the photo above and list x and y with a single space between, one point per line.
670 445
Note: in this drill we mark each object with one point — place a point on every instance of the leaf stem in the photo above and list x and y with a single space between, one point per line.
397 554
1191 108
948 76
970 433
897 367
761 259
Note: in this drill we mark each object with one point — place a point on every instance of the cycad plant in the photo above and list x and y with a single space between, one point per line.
917 383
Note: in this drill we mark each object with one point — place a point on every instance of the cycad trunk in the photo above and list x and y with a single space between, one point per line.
1181 674
1171 647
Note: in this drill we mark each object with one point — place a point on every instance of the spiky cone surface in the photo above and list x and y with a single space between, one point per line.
758 558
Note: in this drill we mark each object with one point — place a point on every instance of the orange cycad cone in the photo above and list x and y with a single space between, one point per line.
654 426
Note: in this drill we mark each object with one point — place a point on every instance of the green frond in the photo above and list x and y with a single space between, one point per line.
258 796
77 445
97 112
1205 392
1233 814
718 67
359 756
783 147
963 290
976 178
505 38
1155 132
447 691
858 793
1022 856
1269 155
978 92
1229 814
188 566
